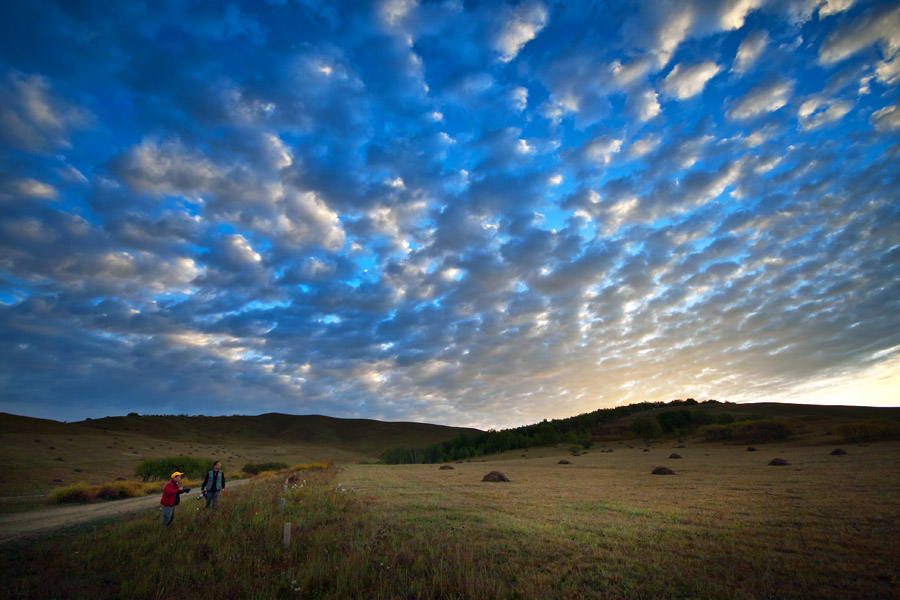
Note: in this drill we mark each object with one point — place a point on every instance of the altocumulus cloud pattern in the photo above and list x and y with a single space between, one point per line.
467 213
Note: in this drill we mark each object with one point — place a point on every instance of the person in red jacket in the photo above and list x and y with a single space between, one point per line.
171 497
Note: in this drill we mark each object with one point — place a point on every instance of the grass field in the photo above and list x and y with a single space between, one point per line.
725 526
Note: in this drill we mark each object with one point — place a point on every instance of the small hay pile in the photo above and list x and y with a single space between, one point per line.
778 462
495 476
663 471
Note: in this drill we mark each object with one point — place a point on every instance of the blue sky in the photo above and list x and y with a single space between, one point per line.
479 214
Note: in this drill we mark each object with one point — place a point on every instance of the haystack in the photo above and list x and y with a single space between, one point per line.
838 452
663 471
495 476
778 462
673 455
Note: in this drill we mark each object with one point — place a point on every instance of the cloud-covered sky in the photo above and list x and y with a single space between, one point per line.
478 214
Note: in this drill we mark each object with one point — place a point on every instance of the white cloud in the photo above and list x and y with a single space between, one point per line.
749 51
734 12
164 168
833 7
644 104
886 119
764 98
518 98
33 117
520 25
602 149
685 82
888 71
393 12
32 188
626 74
555 179
674 30
880 25
239 250
643 146
814 114
306 221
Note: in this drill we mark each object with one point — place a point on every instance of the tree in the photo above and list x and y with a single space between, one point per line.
646 427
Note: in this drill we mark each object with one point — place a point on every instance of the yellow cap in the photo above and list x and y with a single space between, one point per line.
175 474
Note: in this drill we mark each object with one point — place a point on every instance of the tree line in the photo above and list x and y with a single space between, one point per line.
575 431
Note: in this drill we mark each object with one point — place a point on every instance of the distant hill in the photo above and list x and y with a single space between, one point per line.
364 436
39 455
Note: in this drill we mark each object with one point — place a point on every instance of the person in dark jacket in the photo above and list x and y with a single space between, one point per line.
171 497
213 483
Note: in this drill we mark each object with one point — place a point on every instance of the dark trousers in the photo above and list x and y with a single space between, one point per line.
212 498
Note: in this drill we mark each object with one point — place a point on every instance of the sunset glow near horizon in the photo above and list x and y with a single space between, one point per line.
473 214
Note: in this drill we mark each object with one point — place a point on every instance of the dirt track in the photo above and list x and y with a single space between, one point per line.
27 524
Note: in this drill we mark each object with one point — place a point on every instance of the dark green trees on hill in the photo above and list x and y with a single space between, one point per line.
574 430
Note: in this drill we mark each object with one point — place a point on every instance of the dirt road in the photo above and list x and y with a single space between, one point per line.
27 524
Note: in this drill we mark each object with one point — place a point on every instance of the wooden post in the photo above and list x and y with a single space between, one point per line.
281 505
286 541
285 484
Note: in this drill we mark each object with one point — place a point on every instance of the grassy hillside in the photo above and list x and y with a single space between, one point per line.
38 455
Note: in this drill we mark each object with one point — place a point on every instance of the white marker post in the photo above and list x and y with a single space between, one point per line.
281 505
286 541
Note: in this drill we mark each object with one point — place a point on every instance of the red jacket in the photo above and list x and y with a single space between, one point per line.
170 494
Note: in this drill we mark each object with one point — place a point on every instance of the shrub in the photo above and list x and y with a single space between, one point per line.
257 468
82 493
869 431
77 493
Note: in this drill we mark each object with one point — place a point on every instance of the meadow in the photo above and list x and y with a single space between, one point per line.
726 525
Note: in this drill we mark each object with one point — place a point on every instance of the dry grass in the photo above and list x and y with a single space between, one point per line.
726 525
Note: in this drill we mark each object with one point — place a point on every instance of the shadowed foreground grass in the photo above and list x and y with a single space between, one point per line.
727 526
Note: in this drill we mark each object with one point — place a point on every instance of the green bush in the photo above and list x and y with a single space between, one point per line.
257 468
750 432
162 468
869 431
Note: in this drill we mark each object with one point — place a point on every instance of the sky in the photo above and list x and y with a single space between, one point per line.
468 213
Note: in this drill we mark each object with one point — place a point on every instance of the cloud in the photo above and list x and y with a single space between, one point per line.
644 104
601 150
879 24
814 114
762 99
33 117
888 71
518 26
367 214
16 189
685 82
886 119
749 51
164 167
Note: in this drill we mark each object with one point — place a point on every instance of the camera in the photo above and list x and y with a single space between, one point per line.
186 490
201 495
